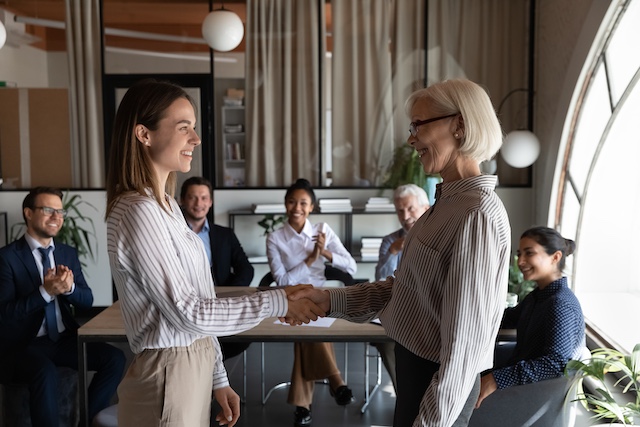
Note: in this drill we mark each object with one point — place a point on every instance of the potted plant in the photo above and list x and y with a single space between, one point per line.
613 381
72 232
270 222
405 168
517 284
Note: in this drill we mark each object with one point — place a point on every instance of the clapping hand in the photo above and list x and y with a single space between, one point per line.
58 281
301 310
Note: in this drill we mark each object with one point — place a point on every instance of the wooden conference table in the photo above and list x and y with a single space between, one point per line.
108 326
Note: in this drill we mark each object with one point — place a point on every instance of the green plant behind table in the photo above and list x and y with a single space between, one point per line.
72 232
611 375
517 284
405 168
271 222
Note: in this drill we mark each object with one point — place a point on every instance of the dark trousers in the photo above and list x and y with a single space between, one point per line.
36 366
413 375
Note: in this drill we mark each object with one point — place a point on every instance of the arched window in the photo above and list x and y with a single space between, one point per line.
598 191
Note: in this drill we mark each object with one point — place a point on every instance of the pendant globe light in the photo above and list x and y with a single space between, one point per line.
3 34
521 147
223 30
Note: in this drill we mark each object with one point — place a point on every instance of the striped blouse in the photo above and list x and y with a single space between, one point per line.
164 282
446 301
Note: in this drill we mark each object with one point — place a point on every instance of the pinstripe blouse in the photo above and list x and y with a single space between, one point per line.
164 282
447 299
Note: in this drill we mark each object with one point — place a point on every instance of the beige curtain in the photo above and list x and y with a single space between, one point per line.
378 61
285 47
85 92
487 42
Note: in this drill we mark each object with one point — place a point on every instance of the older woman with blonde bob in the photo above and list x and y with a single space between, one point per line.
450 287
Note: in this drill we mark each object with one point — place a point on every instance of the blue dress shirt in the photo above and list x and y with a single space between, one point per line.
204 236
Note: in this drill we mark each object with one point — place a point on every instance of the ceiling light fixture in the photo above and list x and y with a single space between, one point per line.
223 30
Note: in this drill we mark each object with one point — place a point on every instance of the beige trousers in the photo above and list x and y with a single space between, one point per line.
311 362
168 387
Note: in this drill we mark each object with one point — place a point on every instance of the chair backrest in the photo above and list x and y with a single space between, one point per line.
333 273
267 280
330 273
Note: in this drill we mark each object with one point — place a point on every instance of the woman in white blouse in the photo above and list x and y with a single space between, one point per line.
161 271
297 253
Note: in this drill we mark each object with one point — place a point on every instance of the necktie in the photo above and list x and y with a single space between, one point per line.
49 309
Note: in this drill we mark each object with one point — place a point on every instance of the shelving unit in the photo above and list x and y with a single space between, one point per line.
343 223
233 143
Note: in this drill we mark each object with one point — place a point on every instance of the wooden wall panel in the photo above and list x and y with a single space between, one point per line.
45 149
10 137
50 137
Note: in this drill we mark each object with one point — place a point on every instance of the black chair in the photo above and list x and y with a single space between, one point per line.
330 273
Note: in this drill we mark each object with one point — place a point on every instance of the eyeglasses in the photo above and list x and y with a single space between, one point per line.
50 211
413 126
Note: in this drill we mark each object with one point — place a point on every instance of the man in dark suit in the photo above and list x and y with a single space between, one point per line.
229 264
39 281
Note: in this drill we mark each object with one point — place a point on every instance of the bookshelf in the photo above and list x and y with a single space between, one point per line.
233 143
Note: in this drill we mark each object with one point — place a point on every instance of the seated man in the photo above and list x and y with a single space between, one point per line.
39 281
411 202
229 264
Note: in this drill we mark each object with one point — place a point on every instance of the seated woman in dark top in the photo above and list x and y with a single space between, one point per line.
549 320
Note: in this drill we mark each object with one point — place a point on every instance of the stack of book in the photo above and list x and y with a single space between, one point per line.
379 204
268 208
370 248
335 205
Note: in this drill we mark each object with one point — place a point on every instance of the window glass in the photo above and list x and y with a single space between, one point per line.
594 116
621 63
611 228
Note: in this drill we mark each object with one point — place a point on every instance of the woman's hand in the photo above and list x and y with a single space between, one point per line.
487 386
318 248
301 310
229 402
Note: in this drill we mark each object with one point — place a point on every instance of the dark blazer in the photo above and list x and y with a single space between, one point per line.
22 306
227 254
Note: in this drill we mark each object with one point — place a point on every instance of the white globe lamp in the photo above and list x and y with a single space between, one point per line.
3 34
223 30
520 148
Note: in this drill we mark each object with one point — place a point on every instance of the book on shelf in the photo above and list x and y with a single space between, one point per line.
370 248
335 205
235 151
379 204
269 208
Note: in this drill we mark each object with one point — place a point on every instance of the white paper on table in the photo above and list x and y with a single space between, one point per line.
322 322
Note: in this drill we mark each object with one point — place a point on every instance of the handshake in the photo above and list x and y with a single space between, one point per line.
306 303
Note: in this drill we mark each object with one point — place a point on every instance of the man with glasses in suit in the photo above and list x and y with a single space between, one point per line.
39 282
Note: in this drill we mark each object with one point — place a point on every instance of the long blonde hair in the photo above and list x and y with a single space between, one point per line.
130 168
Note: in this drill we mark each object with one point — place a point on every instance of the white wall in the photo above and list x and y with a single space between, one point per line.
25 66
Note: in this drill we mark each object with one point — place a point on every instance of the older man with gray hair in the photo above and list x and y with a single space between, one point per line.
411 202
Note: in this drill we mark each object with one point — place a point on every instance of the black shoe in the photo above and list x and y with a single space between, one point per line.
301 417
343 395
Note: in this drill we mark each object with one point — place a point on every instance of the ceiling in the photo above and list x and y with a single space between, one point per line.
173 17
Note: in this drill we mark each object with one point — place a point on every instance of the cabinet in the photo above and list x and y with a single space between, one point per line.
350 226
233 143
